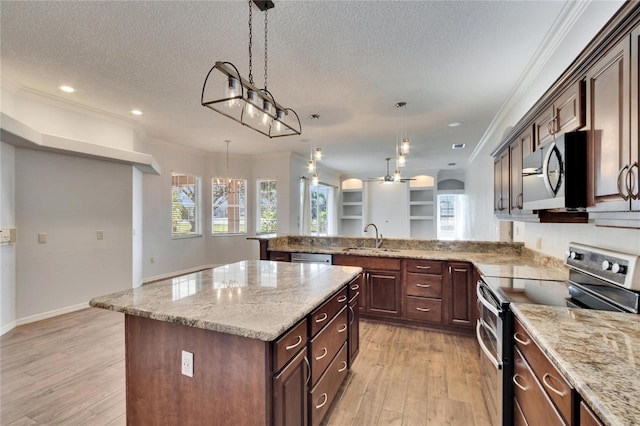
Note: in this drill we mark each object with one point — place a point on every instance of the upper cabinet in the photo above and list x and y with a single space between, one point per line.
612 119
599 93
565 114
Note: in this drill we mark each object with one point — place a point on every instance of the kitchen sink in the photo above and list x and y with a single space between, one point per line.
368 250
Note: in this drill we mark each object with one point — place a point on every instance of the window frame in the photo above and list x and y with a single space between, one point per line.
197 221
328 204
241 207
259 205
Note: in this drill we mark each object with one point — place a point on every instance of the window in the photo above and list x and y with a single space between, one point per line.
185 205
228 206
321 196
267 207
451 213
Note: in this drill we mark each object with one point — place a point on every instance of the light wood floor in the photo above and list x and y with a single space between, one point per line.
69 370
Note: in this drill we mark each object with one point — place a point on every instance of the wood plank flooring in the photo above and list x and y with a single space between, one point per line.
69 370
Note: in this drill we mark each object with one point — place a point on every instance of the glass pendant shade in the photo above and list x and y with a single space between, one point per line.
311 166
314 180
402 160
318 154
396 176
405 146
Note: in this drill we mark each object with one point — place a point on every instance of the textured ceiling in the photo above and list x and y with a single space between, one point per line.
349 61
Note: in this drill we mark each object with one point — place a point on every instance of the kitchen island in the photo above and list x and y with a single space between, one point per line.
249 327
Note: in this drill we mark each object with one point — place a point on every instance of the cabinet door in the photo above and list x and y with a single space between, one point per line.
569 110
384 293
501 183
290 392
353 341
608 122
515 190
544 127
587 417
461 294
635 119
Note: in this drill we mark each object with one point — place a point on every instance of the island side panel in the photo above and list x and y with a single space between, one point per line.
231 383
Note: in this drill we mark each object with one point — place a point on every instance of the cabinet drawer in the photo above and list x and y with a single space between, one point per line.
423 309
280 256
327 343
368 262
529 396
322 315
424 285
588 417
322 395
290 344
549 377
354 287
423 266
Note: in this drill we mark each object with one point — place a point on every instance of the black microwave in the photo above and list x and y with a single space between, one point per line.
554 176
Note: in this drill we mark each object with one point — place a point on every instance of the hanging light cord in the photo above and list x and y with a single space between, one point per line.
265 49
250 43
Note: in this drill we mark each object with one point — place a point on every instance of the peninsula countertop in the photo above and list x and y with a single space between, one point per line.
252 298
598 352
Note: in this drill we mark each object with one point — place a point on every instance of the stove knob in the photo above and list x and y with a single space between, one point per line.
606 265
618 269
575 256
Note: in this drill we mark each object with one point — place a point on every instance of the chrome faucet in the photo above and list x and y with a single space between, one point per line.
378 240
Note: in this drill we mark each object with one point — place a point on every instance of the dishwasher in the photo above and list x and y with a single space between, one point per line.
311 258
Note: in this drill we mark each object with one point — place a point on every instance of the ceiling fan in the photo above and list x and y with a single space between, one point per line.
388 178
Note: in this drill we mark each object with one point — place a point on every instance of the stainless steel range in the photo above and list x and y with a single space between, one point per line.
598 279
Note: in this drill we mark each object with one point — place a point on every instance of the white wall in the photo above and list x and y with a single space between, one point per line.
7 251
479 182
388 208
137 255
69 199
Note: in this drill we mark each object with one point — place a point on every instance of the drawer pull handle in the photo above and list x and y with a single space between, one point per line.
515 382
519 340
355 287
324 353
353 315
322 317
343 328
326 398
306 382
422 309
342 299
344 367
288 348
551 388
424 285
423 267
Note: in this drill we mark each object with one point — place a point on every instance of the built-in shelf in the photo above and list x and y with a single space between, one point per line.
352 208
422 212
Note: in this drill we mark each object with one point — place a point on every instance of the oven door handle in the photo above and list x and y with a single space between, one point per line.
484 301
497 364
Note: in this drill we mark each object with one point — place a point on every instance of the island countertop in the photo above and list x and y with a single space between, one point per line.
252 298
598 352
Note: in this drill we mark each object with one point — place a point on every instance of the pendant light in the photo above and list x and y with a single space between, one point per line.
229 186
241 100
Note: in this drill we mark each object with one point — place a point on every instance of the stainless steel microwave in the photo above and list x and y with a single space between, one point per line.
554 176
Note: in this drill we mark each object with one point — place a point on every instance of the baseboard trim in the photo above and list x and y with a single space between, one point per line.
168 275
51 314
7 328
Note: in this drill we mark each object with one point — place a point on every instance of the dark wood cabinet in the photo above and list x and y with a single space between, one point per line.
588 417
353 344
380 284
384 293
520 148
634 162
565 114
501 184
608 113
280 256
423 289
290 393
461 298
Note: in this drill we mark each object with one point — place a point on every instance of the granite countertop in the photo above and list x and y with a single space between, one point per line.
494 259
598 352
252 298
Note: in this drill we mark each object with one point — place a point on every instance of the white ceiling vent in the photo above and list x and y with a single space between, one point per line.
457 146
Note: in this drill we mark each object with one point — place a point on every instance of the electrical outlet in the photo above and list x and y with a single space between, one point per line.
187 363
100 234
42 238
538 243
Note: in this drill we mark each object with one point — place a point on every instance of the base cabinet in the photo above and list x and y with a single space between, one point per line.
588 417
461 295
383 291
290 393
353 343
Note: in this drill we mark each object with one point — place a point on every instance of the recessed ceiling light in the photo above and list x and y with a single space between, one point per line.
455 124
457 146
136 112
67 89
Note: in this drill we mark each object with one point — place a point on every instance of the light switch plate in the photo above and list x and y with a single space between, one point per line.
42 238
